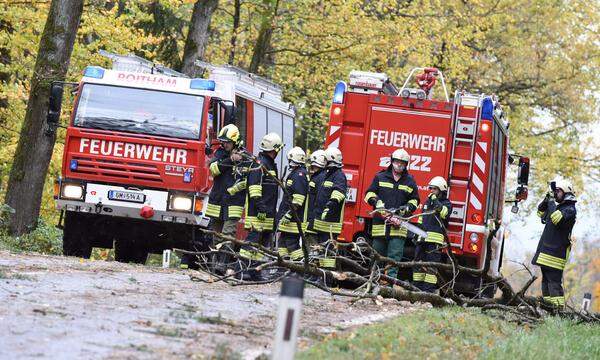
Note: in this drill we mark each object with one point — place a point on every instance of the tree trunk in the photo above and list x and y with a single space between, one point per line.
32 157
263 41
197 39
234 33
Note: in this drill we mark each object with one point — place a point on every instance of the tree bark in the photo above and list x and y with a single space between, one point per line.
34 150
263 41
197 39
234 33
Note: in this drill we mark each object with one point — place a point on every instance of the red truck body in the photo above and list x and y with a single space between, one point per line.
138 145
464 140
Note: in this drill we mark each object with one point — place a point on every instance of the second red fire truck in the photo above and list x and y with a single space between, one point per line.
464 140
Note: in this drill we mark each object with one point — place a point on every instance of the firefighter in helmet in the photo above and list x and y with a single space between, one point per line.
296 185
317 176
392 189
261 199
224 209
555 243
435 225
329 203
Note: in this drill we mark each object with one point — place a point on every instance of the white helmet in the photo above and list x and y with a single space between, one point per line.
296 156
333 156
400 154
318 159
439 182
563 184
270 142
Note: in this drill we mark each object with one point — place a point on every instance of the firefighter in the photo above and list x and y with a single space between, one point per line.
392 188
261 200
224 210
317 176
296 184
434 224
329 202
555 243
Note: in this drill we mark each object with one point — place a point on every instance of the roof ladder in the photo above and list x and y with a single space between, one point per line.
466 117
134 63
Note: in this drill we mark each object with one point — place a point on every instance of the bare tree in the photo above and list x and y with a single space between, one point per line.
197 39
34 150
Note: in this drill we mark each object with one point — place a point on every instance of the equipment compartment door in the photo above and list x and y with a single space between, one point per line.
425 135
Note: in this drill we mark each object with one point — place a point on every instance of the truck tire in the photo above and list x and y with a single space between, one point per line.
76 240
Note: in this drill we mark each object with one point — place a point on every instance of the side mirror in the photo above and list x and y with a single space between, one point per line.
523 175
54 107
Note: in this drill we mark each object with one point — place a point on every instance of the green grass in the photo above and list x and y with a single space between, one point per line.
555 339
45 239
456 333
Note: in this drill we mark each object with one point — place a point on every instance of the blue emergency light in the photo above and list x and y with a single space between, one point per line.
73 165
94 72
338 92
487 108
202 84
187 177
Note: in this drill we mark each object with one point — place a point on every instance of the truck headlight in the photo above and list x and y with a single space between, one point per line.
180 203
72 191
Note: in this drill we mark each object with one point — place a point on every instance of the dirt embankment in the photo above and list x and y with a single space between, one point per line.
58 307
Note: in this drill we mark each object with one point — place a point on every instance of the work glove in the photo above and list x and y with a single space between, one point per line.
286 219
261 211
403 210
437 206
543 206
379 206
324 214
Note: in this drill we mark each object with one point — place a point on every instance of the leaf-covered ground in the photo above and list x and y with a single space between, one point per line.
61 307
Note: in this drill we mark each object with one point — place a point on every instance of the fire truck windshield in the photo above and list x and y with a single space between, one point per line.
142 111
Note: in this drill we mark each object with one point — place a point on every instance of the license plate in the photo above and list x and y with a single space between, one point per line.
126 196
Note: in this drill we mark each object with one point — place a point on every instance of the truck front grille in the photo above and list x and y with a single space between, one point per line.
117 169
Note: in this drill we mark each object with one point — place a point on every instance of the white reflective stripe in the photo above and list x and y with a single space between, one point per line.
475 228
335 143
480 163
444 116
483 146
333 129
477 182
475 202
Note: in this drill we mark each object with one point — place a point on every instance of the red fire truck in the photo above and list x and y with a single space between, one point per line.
465 140
134 170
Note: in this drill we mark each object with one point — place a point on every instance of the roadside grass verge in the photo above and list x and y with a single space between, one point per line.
456 333
45 239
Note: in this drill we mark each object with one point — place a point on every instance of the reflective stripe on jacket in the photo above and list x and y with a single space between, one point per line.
555 242
262 191
296 184
332 196
393 193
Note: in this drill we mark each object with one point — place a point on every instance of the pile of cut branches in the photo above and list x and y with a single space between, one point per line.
363 274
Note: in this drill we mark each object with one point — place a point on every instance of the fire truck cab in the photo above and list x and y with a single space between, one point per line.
464 140
140 137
